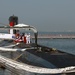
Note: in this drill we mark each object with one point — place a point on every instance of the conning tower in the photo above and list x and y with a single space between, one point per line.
13 20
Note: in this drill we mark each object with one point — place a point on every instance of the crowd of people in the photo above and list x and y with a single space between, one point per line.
24 37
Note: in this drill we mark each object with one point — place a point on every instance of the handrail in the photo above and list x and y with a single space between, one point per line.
21 66
23 26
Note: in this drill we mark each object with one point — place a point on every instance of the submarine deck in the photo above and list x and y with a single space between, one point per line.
58 58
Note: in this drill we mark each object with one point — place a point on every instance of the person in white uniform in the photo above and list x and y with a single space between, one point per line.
28 38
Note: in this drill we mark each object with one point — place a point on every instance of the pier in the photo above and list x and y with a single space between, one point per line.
57 36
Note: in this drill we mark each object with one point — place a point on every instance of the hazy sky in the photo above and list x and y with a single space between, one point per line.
45 15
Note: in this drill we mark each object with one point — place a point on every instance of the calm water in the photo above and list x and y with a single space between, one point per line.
66 45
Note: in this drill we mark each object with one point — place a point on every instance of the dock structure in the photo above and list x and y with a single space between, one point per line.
57 36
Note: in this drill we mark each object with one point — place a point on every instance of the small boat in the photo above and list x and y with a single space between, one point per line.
21 55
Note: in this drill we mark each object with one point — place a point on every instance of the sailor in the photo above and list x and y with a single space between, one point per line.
28 38
18 40
24 37
18 37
